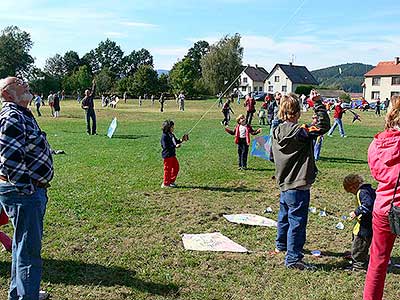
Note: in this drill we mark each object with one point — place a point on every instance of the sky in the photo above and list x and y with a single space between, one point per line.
315 33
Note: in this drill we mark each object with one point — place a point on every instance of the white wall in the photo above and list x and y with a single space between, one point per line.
385 88
277 86
251 86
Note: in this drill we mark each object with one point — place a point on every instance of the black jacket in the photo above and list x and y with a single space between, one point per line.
168 144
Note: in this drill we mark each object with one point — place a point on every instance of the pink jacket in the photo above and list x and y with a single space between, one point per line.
236 133
384 163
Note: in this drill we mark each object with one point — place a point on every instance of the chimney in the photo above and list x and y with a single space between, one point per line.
256 66
290 63
397 60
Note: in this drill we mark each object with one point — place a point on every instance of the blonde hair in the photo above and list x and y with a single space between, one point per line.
239 117
289 107
352 180
392 118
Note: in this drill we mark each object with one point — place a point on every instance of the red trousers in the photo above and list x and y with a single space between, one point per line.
381 248
171 170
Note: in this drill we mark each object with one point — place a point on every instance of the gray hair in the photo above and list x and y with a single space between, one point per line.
4 87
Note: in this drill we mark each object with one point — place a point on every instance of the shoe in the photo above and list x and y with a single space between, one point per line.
222 123
43 295
330 135
173 185
301 265
240 168
275 252
344 136
165 186
95 133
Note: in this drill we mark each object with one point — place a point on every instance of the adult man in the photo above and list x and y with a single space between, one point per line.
26 168
181 101
250 105
88 106
38 101
338 114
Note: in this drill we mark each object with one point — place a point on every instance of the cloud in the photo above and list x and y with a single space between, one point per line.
138 24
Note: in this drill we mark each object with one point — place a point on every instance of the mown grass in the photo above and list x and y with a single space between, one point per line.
112 233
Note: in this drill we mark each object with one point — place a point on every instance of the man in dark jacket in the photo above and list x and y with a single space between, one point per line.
88 106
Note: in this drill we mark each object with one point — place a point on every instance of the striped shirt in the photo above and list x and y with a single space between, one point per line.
25 154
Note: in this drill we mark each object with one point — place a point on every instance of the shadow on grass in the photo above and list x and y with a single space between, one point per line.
260 169
69 272
363 137
128 136
220 189
342 160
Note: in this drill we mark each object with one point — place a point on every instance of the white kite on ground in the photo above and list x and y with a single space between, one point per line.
211 242
112 128
251 219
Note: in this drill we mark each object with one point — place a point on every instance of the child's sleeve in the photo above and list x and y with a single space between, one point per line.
367 203
230 131
321 126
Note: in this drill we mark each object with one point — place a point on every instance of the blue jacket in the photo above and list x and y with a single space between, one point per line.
365 203
168 144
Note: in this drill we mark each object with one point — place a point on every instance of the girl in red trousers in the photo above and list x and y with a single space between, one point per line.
384 162
242 133
4 238
169 143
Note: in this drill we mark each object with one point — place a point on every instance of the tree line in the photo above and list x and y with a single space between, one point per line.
204 70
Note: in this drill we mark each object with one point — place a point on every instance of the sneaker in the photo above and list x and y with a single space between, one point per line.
276 252
301 265
344 136
173 185
165 185
330 135
43 295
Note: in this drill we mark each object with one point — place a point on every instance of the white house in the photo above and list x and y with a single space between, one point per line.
252 79
286 78
383 81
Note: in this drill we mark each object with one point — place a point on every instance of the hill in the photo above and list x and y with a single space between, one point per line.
349 78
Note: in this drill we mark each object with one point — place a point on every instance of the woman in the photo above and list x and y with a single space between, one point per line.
384 162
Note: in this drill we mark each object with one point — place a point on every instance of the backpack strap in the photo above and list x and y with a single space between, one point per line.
395 190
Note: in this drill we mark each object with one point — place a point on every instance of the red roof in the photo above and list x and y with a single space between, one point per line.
385 68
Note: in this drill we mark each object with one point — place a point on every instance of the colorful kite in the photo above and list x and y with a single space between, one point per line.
112 128
261 147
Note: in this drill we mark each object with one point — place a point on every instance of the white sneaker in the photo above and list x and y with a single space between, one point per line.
165 186
173 185
43 295
344 136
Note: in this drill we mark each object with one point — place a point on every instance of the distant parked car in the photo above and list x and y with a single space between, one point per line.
260 96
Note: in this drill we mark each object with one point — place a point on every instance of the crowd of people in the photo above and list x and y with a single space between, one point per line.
26 170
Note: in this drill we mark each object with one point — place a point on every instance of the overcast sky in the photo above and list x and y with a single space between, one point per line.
318 33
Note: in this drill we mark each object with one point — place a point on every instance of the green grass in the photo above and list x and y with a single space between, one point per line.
112 233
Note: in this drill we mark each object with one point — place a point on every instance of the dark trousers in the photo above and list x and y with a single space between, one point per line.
226 119
91 114
243 151
249 117
37 109
359 251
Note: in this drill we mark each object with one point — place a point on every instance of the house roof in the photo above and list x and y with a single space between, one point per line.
296 74
385 68
330 93
256 73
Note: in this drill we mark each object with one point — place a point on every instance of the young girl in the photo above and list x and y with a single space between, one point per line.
226 110
4 238
169 143
242 133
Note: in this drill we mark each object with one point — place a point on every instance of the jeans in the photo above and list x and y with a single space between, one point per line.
38 109
292 222
249 117
227 117
91 114
317 146
243 152
338 122
26 213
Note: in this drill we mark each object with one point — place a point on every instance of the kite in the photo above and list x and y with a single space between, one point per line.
112 128
356 117
211 242
250 219
261 147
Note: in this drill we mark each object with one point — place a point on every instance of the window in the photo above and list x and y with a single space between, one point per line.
276 78
244 79
284 88
260 89
244 89
396 80
271 88
375 95
394 94
376 80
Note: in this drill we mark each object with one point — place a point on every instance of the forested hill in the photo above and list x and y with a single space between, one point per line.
349 78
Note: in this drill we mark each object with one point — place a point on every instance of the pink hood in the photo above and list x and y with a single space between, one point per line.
384 163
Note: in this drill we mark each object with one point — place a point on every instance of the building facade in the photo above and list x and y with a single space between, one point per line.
383 81
252 80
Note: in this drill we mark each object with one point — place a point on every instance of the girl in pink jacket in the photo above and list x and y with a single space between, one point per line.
384 162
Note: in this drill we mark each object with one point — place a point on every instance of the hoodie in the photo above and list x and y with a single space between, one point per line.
293 150
384 163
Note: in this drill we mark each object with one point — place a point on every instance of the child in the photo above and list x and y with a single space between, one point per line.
292 148
261 116
169 143
242 133
226 109
362 231
4 239
318 141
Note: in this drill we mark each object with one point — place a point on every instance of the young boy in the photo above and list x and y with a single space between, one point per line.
362 231
292 147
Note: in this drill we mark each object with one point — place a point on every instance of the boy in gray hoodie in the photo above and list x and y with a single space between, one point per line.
292 147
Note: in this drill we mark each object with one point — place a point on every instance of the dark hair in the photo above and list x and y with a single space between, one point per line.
166 126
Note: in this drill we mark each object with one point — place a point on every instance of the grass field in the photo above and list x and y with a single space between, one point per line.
112 233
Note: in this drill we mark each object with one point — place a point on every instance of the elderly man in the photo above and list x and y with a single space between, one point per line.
26 168
88 106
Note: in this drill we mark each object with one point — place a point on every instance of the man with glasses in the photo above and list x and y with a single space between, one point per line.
26 168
